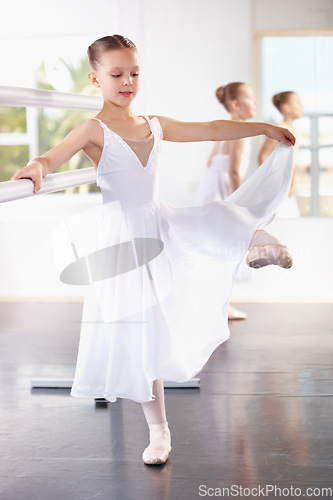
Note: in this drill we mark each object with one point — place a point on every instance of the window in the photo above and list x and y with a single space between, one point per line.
51 63
305 64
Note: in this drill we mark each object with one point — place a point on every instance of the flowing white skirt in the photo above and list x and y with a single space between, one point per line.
160 282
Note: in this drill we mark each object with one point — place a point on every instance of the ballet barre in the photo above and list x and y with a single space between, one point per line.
38 98
23 188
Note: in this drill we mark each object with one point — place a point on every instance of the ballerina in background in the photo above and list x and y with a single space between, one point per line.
229 160
162 320
290 106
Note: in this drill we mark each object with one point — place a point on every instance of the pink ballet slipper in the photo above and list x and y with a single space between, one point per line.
271 254
265 250
157 453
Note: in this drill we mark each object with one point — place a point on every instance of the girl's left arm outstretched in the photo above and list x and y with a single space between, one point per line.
221 130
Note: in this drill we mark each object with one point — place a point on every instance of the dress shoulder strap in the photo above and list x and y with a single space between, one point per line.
102 124
155 126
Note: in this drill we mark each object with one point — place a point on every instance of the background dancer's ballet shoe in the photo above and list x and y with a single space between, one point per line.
272 254
234 313
157 453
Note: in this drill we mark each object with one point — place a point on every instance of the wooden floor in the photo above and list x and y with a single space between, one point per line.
261 420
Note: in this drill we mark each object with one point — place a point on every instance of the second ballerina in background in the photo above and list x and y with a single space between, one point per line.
290 106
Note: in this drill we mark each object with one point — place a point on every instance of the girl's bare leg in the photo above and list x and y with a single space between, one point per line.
160 440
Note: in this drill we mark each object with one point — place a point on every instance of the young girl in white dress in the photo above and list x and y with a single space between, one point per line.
229 160
290 106
156 314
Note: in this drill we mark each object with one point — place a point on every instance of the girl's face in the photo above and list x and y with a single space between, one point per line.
246 103
117 75
293 107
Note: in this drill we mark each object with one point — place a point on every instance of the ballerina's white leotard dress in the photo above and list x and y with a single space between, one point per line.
156 312
215 183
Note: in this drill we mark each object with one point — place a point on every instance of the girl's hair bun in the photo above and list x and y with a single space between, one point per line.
111 42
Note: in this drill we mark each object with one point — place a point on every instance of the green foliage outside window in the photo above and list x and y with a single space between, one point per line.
53 124
12 120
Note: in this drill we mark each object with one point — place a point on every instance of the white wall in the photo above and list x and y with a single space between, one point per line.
26 20
27 259
188 48
292 14
191 48
30 32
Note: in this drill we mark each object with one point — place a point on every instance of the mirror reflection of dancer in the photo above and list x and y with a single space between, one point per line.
290 106
229 160
173 339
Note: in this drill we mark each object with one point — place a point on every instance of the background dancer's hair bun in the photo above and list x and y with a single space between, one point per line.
220 94
229 92
281 98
